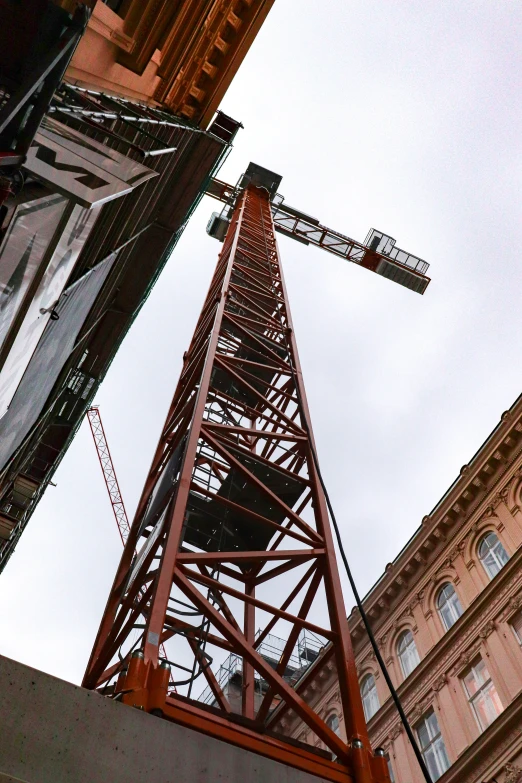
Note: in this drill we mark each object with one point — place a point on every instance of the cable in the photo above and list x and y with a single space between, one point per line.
364 617
358 601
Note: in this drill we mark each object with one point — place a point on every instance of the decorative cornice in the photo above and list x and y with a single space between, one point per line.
512 607
439 683
487 630
513 773
481 514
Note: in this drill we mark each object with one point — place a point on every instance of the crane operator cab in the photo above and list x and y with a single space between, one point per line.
388 260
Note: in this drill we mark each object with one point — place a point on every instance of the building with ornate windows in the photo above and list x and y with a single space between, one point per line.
447 615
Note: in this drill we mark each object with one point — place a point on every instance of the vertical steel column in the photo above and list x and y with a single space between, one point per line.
232 530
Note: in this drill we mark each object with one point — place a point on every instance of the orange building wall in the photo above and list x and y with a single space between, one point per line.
183 55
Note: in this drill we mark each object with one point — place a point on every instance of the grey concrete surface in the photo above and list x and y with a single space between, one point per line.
55 732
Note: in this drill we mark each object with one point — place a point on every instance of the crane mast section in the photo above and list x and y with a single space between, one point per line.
232 536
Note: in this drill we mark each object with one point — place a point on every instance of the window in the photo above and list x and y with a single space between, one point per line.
408 655
369 696
482 694
333 723
448 605
492 554
516 624
432 745
390 768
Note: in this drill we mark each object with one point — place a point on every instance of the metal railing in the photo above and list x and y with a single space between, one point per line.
230 672
385 245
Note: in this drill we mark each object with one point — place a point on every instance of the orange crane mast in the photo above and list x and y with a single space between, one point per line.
234 514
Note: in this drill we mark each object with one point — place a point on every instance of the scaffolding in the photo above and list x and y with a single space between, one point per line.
230 673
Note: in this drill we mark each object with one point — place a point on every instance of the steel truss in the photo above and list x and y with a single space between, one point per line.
232 529
109 473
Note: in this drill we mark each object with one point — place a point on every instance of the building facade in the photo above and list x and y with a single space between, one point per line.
182 55
129 143
447 616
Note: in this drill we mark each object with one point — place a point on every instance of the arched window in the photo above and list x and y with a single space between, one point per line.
333 723
492 554
369 695
448 605
407 650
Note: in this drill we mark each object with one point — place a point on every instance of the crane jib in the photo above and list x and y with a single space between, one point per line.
378 253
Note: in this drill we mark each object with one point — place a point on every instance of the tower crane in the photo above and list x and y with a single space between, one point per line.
232 532
109 472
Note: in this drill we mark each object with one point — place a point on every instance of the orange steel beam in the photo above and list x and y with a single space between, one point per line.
233 470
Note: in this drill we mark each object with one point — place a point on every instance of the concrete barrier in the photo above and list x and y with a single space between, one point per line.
54 732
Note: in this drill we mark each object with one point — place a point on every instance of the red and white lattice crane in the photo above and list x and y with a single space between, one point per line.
111 480
109 473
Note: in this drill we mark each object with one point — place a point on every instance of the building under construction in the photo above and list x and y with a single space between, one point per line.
124 151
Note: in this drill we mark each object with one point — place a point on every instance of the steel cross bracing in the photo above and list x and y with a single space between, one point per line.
232 530
109 473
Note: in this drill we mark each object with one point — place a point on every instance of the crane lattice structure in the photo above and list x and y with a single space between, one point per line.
378 253
109 473
231 539
111 480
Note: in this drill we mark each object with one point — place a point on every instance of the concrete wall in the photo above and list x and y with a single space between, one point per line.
53 731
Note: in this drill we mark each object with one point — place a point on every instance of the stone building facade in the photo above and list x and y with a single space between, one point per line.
447 615
182 55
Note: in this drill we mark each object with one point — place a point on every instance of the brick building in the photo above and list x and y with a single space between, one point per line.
447 615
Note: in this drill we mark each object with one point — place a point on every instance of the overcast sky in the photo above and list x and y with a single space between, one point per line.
403 116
